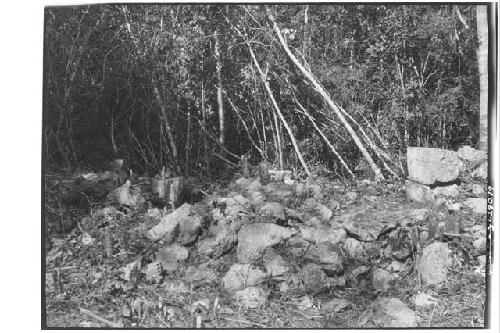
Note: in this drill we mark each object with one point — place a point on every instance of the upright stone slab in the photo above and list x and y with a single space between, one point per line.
430 165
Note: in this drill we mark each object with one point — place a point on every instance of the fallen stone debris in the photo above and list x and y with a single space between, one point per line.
370 256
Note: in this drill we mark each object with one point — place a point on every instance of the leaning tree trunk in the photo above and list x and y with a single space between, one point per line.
482 60
323 93
278 111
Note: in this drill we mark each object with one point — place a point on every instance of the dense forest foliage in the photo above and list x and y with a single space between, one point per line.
195 87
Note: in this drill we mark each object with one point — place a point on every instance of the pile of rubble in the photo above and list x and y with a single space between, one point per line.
257 237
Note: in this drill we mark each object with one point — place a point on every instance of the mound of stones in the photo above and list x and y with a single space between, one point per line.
254 230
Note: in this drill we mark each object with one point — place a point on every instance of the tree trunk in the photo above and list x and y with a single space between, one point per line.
278 111
482 60
219 88
333 106
166 123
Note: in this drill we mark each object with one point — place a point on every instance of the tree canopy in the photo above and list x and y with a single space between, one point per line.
142 82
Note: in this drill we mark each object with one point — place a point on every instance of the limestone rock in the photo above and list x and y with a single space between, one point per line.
220 241
274 263
416 192
474 156
326 254
315 280
433 265
480 245
201 273
424 301
318 235
255 238
169 224
335 305
430 165
273 210
478 205
297 246
333 204
170 256
477 189
391 312
482 261
354 248
447 191
230 208
381 279
481 172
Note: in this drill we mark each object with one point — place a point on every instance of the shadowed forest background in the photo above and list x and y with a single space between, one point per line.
196 87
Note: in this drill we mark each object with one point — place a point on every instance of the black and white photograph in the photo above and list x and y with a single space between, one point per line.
267 165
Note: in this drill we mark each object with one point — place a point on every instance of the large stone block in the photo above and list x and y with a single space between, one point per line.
430 165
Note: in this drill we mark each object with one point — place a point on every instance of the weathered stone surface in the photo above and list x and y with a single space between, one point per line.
433 265
169 226
297 246
358 276
189 228
318 235
327 255
255 238
274 263
447 191
251 297
333 204
315 190
170 256
478 205
391 312
367 229
480 245
273 210
241 276
453 206
354 248
482 261
424 301
324 212
416 192
477 189
315 280
231 208
221 240
335 305
278 191
481 172
474 156
430 165
201 273
381 279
